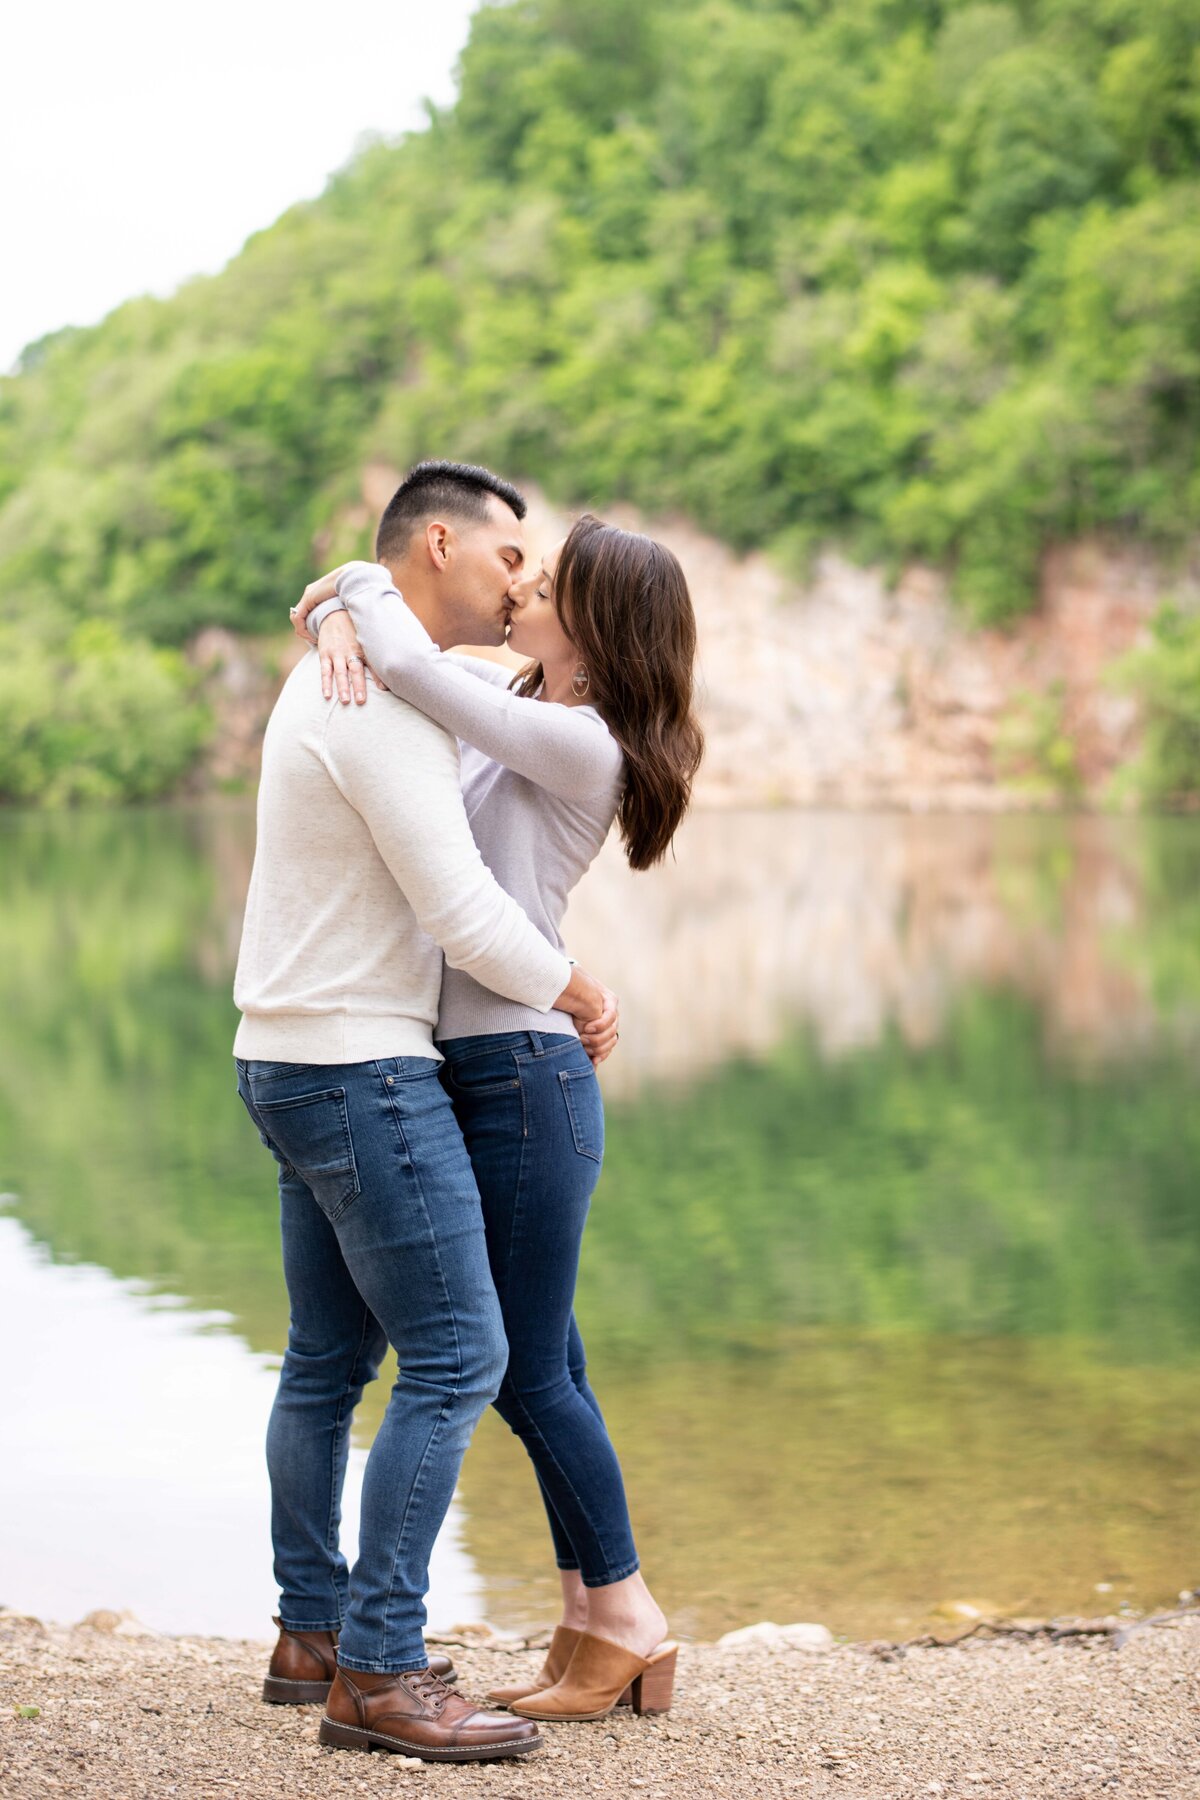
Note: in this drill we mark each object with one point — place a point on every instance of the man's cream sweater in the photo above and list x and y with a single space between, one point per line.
364 874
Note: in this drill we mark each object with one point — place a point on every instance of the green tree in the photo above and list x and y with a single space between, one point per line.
103 719
919 278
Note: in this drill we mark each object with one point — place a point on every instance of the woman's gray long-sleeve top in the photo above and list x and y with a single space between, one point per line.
541 782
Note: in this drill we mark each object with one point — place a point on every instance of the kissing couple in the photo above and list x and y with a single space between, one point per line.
419 1056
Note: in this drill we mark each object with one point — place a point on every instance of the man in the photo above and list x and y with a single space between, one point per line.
365 874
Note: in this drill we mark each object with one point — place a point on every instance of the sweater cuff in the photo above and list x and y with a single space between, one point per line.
562 975
319 614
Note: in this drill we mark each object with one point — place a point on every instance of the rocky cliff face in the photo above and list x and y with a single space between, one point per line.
847 693
842 691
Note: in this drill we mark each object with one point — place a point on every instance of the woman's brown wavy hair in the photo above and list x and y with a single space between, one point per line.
623 601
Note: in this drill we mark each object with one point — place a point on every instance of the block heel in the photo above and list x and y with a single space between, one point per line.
599 1676
653 1688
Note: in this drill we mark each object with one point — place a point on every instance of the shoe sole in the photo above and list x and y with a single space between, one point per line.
565 1718
507 1705
278 1691
295 1693
353 1737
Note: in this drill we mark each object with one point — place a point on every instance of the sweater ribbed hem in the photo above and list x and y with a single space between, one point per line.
331 1037
486 1016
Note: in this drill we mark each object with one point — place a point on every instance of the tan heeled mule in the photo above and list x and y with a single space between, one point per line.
558 1657
554 1668
598 1674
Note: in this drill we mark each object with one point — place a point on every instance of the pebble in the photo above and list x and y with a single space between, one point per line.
793 1637
1017 1721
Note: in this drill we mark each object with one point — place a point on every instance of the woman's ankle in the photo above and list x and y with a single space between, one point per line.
574 1601
627 1613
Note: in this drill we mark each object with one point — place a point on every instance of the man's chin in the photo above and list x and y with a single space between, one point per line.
485 635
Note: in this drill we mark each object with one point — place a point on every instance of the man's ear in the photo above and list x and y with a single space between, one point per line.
438 540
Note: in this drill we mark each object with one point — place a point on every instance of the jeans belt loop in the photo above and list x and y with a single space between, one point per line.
535 1044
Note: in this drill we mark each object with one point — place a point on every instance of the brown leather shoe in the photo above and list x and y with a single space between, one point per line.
562 1646
418 1715
304 1663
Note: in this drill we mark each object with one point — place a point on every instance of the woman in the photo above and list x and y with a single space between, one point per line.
598 725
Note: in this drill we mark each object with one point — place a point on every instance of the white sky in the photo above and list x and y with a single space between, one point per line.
142 141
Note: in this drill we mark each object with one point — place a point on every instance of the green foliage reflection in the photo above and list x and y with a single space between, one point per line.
981 1184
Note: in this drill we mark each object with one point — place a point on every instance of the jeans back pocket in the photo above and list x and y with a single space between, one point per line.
585 1109
312 1132
483 1073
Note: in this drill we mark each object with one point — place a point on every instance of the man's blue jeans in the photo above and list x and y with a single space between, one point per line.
530 1109
383 1241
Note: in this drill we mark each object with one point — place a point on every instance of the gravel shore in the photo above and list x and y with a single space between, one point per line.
125 1714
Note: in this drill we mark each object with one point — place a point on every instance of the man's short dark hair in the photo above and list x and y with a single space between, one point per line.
447 490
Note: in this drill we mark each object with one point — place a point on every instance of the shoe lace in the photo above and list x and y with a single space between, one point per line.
432 1689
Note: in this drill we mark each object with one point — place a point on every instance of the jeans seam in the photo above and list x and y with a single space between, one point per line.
412 1495
565 1558
331 1541
516 1212
509 1392
531 1423
430 1232
458 1355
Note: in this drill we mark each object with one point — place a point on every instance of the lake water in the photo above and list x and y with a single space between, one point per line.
890 1290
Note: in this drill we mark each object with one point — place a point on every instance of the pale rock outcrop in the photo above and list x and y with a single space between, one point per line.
841 690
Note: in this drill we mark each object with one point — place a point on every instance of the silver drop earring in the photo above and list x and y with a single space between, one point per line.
581 681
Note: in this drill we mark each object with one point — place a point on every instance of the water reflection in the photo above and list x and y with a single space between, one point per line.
138 1482
890 1287
855 926
860 1478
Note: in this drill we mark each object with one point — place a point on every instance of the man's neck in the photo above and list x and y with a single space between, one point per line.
420 598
